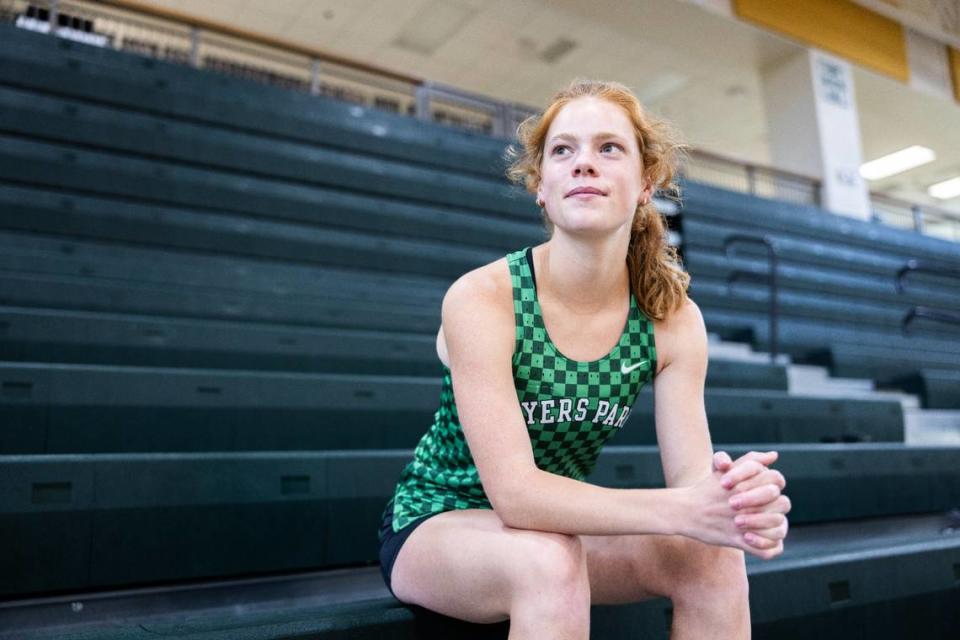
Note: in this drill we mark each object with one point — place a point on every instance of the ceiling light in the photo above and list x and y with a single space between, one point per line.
896 162
946 189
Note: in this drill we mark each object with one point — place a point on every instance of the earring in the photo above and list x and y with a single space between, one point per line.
540 203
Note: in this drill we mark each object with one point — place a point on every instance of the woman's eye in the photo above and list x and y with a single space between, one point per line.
602 147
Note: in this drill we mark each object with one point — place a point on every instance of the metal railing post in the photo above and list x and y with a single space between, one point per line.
422 97
195 47
54 16
917 218
314 77
751 180
499 121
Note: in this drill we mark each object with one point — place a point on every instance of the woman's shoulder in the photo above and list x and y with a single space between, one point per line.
685 316
478 306
682 329
487 285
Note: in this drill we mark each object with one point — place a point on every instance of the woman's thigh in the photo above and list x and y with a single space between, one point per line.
467 564
631 568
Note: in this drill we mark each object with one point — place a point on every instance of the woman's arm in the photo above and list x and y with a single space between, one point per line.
479 330
686 451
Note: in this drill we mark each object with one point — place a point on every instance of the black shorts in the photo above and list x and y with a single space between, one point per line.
390 541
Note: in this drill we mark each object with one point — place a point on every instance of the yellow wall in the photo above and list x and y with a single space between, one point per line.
955 70
838 26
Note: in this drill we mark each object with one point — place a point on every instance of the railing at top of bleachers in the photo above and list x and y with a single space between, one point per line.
919 311
926 218
206 44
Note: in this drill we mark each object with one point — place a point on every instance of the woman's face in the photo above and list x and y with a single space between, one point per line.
591 143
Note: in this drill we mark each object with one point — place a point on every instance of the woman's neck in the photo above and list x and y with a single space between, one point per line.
583 277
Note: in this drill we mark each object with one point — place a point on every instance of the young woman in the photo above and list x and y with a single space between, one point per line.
544 353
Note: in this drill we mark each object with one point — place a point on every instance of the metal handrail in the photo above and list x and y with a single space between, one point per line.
772 256
925 266
917 311
927 312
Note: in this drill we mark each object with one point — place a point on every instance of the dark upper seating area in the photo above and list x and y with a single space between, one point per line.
218 311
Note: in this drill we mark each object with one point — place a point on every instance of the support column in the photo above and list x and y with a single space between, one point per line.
814 128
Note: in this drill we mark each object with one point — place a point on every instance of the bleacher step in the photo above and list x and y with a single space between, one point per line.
739 351
862 564
805 378
931 427
815 381
808 380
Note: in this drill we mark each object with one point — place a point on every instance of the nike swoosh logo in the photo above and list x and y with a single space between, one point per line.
624 369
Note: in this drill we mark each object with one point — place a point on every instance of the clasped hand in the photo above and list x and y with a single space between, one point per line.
758 507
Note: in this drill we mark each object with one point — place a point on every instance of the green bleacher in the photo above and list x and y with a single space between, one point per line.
204 282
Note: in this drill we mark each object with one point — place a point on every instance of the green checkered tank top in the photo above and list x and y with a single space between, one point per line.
571 408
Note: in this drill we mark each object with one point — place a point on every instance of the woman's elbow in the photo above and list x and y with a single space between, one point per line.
511 500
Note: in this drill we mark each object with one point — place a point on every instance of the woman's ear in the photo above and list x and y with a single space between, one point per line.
647 194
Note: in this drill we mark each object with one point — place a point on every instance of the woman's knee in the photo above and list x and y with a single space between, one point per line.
552 581
709 572
548 560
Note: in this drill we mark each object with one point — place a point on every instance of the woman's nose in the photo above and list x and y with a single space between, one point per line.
583 165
